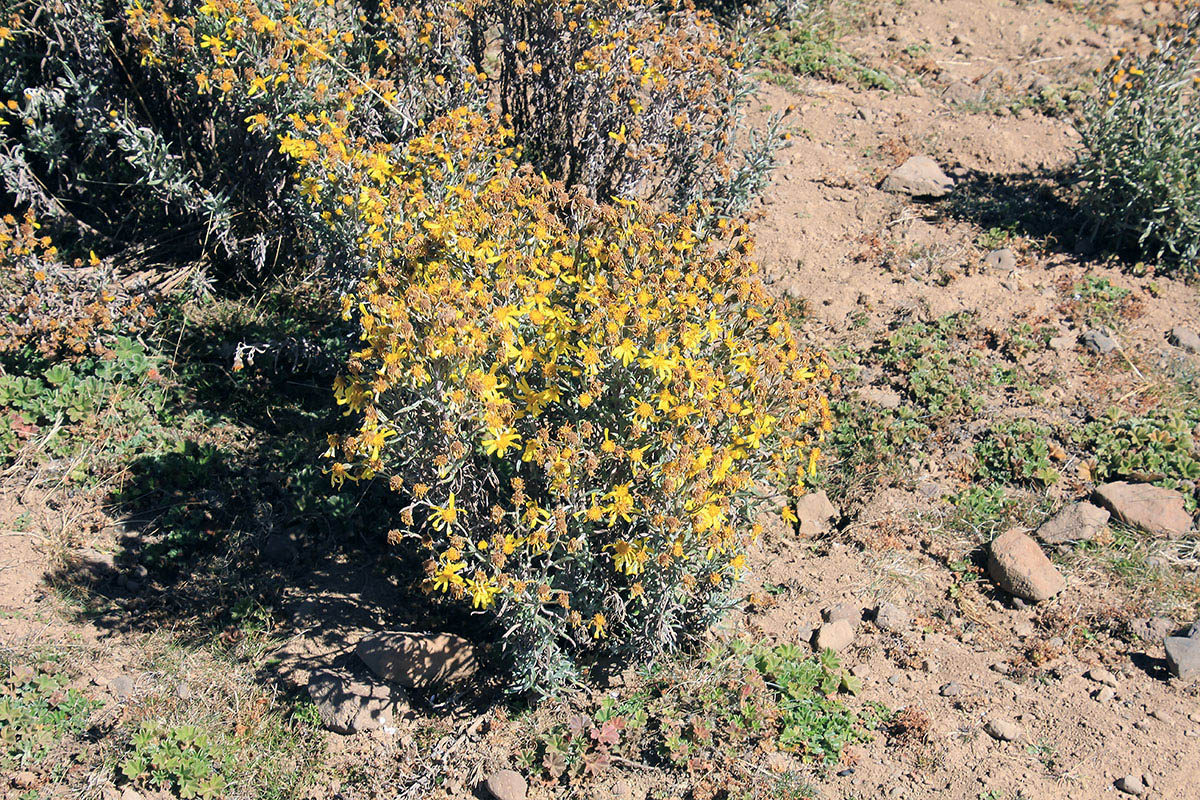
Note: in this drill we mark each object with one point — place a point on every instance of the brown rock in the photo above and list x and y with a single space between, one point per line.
1078 522
506 784
1019 567
1004 730
815 513
834 636
920 176
1156 510
347 706
418 660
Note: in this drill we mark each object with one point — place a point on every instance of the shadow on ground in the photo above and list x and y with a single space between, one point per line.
1037 206
236 532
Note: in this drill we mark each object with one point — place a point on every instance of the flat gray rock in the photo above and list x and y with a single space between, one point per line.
418 660
1183 656
1098 342
347 706
1078 522
1003 260
1184 339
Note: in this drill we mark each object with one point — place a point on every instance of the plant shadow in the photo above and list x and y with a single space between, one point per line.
234 537
1033 205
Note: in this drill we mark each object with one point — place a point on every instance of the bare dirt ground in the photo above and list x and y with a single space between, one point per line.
865 261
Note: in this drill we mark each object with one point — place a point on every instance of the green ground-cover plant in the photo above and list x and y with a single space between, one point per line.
1140 154
1099 302
1016 452
712 723
37 712
1159 447
179 759
114 406
934 366
801 38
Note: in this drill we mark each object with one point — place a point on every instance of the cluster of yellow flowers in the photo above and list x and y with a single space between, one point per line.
615 96
1174 40
582 405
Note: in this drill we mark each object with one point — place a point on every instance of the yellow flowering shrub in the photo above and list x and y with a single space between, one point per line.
618 97
581 406
1140 146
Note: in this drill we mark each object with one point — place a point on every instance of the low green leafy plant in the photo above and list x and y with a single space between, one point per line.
1024 339
1158 447
1140 156
1100 302
805 42
93 396
37 711
1016 452
933 366
180 759
714 723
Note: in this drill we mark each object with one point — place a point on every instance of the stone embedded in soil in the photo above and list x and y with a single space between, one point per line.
850 612
1060 344
834 636
1155 510
891 617
1104 695
121 686
1132 784
347 706
1098 342
1078 522
1185 339
961 92
418 660
1019 567
815 513
506 784
950 689
1003 260
1101 675
920 176
279 548
1003 729
1183 656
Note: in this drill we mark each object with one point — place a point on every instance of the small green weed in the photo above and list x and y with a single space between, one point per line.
1100 303
741 702
179 759
806 45
38 711
1016 452
1024 339
1158 447
119 403
934 368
